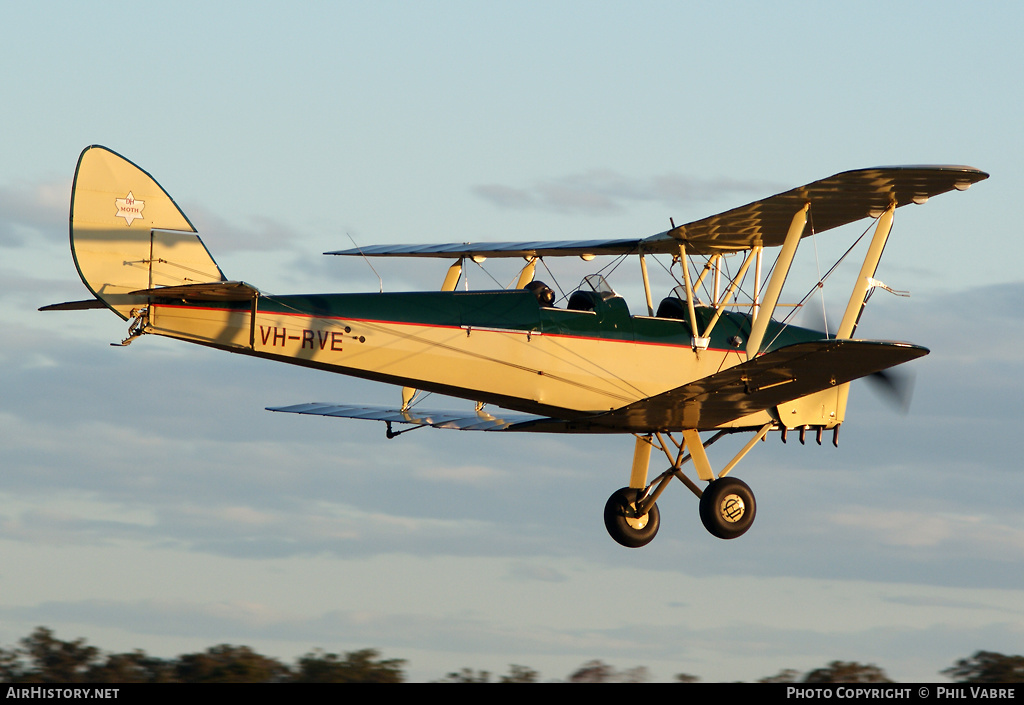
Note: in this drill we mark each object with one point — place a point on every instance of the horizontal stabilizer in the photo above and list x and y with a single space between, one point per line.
462 421
74 305
213 291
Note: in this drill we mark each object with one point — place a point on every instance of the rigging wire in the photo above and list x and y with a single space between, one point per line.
786 321
557 285
668 269
482 267
367 260
614 264
821 282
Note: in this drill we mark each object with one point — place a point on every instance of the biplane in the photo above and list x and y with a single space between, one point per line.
712 358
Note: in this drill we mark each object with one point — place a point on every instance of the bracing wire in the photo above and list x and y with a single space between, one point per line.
484 269
367 260
822 280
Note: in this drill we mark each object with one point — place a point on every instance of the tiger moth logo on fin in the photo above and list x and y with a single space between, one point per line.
129 208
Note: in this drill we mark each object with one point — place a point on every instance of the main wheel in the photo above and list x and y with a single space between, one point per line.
727 508
622 523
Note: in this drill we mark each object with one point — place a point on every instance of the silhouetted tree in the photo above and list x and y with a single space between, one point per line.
598 671
786 675
595 671
987 667
134 667
520 674
467 675
356 667
516 674
43 658
229 664
51 660
847 672
10 666
637 674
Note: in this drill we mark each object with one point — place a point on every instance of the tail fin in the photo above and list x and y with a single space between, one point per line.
128 235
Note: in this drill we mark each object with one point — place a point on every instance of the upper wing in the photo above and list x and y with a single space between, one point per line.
540 248
840 199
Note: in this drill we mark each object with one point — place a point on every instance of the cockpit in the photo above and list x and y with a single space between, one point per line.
593 290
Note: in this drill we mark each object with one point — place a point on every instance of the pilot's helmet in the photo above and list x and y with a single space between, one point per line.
545 296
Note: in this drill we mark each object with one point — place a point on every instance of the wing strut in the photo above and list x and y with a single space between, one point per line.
698 343
757 280
771 296
858 297
647 285
451 280
721 303
526 276
867 274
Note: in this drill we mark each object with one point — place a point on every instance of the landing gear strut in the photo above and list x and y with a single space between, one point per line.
727 506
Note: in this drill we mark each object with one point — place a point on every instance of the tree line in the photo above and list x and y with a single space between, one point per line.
43 658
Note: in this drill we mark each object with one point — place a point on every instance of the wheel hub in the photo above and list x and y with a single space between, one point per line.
732 508
637 522
624 522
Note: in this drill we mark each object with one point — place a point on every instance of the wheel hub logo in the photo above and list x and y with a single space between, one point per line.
732 508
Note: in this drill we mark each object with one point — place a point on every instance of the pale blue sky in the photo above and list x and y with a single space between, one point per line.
149 501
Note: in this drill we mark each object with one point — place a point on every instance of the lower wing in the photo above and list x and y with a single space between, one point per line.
756 385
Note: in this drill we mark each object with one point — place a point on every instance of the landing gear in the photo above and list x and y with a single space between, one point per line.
727 505
727 508
622 522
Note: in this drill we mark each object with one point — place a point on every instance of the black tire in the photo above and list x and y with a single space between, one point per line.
626 529
727 508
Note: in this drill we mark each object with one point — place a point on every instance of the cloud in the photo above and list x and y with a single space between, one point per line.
231 528
917 529
458 474
257 234
40 209
253 621
537 572
950 604
603 191
504 196
34 209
